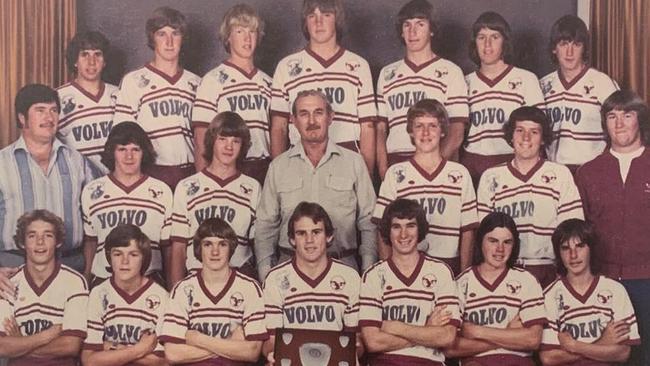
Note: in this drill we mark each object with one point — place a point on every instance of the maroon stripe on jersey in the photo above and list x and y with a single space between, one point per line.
315 299
219 194
325 62
74 333
387 359
124 201
172 79
169 339
129 312
488 303
494 98
125 318
213 315
586 313
18 314
486 134
86 113
562 98
92 347
429 190
244 87
415 82
206 104
168 91
185 133
443 230
77 295
527 189
369 323
322 77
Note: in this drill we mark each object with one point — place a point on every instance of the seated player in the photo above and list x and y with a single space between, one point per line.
219 190
400 296
311 280
125 313
590 319
503 306
44 322
215 316
443 188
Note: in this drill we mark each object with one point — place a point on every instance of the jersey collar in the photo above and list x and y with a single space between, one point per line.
417 68
204 287
424 174
568 85
313 283
95 98
490 287
125 188
408 281
492 82
525 177
170 79
219 181
248 75
323 62
582 298
38 290
130 299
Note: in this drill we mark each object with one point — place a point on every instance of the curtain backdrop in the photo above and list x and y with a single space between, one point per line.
33 37
621 42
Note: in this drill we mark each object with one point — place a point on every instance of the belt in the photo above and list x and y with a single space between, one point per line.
336 255
523 262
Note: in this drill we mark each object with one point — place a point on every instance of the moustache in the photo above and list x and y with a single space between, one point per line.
313 127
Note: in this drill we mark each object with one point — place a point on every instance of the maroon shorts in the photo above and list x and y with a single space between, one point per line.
477 164
499 360
256 168
171 174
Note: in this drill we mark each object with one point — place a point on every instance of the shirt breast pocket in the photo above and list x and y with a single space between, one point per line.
341 191
290 192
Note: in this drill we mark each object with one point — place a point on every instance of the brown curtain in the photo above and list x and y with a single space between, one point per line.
621 42
33 37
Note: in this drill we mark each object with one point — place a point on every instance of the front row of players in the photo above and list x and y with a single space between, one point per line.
406 309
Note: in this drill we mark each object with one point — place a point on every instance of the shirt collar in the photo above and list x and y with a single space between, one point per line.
21 145
331 149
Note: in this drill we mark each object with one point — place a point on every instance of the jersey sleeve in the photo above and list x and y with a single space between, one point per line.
127 102
280 103
468 210
273 303
570 205
95 337
457 103
446 294
387 194
206 101
168 202
255 201
606 87
180 220
6 311
366 108
623 310
551 328
75 310
532 92
89 229
484 198
160 321
176 320
532 311
370 298
382 108
351 314
254 320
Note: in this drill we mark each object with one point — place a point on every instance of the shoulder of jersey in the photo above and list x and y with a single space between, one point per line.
97 185
247 279
373 268
279 267
555 284
457 166
159 184
189 278
354 57
436 261
65 86
342 268
391 68
452 67
156 287
72 276
465 273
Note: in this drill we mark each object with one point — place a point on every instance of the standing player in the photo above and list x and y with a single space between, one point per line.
574 94
126 196
495 90
125 313
344 77
421 74
159 97
87 103
503 306
536 193
404 332
443 189
590 317
45 321
215 315
311 282
219 190
237 86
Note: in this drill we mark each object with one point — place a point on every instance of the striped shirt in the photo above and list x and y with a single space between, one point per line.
25 187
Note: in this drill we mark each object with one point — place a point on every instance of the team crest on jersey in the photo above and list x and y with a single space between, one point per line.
390 73
97 191
152 302
547 87
17 292
143 81
283 282
191 187
513 287
104 296
549 177
337 283
604 297
588 87
352 66
192 85
246 189
455 177
189 293
114 98
399 175
559 301
464 286
429 280
514 84
222 77
155 192
441 72
67 104
493 183
236 299
295 67
382 278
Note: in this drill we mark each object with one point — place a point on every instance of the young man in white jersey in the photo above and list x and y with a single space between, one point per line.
216 315
495 90
591 320
536 193
236 85
125 313
443 188
311 290
344 77
159 97
126 196
44 322
87 103
219 190
421 74
574 94
409 306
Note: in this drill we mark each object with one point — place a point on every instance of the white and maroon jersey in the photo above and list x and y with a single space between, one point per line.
203 196
345 80
538 202
117 317
386 294
229 88
193 306
446 196
574 110
490 103
162 105
585 316
146 204
61 299
402 84
293 300
514 293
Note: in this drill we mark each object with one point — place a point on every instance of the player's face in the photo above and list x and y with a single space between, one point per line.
126 262
569 55
40 242
321 27
497 247
489 44
416 33
128 159
527 139
310 240
41 122
167 43
215 253
623 130
243 41
90 64
312 119
226 149
404 235
426 134
576 257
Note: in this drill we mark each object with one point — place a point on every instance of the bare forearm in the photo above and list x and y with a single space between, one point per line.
117 357
379 341
554 357
367 145
12 347
279 137
383 249
150 360
516 339
59 347
464 347
237 350
451 143
183 353
89 250
177 266
602 352
199 149
466 245
382 153
425 335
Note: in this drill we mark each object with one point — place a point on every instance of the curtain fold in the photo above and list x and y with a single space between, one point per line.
33 38
621 43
